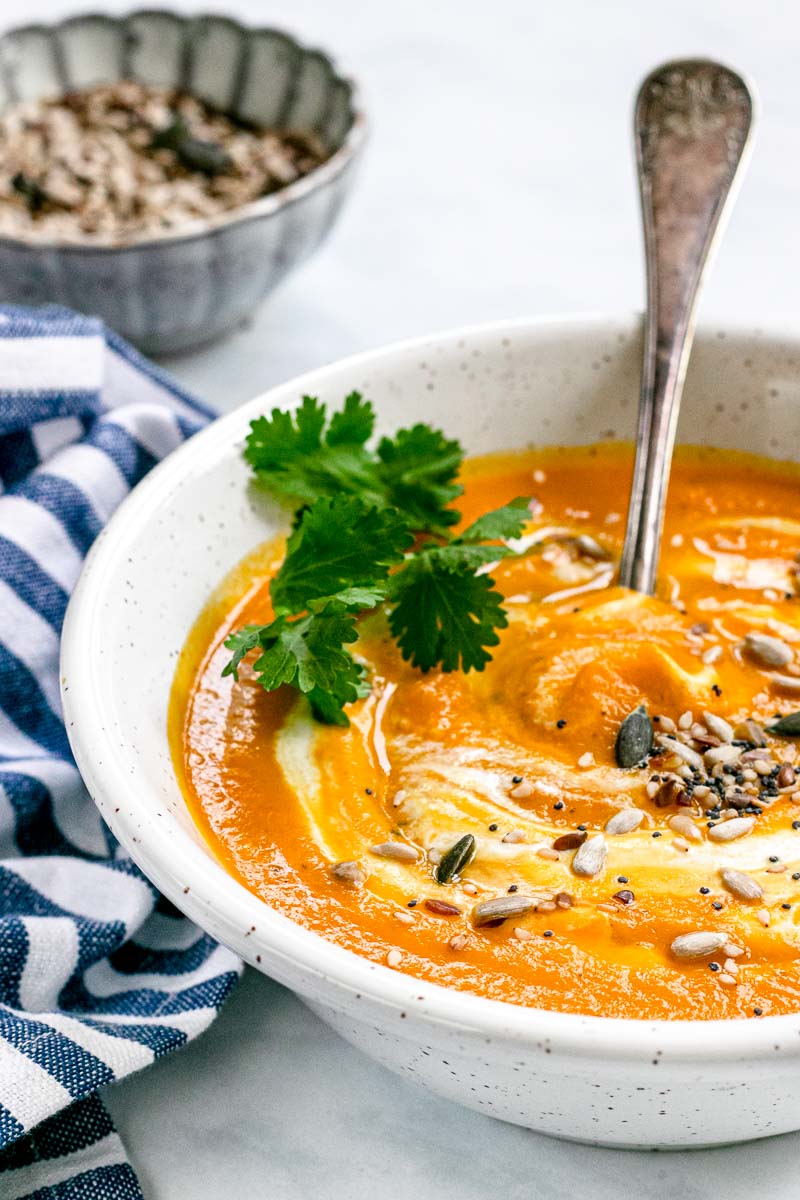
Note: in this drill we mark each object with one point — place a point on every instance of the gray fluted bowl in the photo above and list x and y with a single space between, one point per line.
177 290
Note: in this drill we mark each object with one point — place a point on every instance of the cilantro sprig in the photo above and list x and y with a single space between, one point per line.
371 528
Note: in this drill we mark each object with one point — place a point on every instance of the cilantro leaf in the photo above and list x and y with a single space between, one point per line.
444 616
352 426
295 457
339 544
357 514
307 653
506 522
240 644
418 467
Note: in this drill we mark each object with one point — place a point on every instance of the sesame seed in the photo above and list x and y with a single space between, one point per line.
560 724
368 791
656 834
493 828
547 933
514 887
559 804
516 779
774 858
757 1012
622 879
704 891
717 904
582 828
796 875
413 903
713 966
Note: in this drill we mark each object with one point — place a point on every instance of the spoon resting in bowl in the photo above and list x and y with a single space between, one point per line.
692 127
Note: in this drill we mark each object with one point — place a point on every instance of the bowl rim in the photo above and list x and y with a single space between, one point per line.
202 227
201 887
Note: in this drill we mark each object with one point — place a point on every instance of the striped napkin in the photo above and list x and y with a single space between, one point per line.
99 975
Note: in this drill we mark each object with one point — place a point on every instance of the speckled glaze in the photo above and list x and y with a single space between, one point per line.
594 1079
176 291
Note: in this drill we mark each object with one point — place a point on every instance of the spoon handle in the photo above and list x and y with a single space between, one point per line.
692 124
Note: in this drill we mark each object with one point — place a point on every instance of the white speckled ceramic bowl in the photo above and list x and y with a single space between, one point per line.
616 1082
180 289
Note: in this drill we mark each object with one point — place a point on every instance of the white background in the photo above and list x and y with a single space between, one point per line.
498 182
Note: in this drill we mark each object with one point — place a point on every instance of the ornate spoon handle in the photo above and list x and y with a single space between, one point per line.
692 125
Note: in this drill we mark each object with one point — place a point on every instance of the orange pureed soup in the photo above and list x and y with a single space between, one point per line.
522 756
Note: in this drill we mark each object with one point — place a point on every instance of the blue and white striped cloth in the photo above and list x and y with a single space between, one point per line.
99 975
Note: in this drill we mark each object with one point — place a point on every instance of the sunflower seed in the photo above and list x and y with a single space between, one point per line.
624 821
453 862
685 827
590 858
722 754
397 850
718 726
750 731
681 750
589 548
698 945
634 739
786 726
500 907
741 885
766 651
729 831
790 683
348 872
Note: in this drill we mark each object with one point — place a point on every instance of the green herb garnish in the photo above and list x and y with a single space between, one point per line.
371 528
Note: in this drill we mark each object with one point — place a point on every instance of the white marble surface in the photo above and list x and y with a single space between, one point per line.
498 182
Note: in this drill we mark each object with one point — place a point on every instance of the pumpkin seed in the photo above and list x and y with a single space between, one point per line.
460 854
786 726
698 945
590 858
635 738
625 821
742 885
500 907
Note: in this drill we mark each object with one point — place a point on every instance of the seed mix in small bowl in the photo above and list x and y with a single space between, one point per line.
124 160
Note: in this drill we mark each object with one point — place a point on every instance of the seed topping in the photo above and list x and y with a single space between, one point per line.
698 945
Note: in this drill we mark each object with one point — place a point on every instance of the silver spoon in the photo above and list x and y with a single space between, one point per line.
692 125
